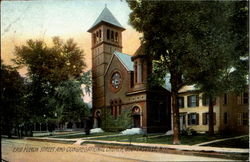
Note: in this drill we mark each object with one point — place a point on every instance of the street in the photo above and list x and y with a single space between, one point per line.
29 151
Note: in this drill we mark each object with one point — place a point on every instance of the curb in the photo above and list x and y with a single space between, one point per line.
161 146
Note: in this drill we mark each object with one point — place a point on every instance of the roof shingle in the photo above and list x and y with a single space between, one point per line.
108 17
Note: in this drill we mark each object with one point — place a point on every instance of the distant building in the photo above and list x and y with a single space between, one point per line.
121 97
230 111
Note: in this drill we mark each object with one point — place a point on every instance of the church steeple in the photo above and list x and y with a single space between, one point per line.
107 29
107 17
106 36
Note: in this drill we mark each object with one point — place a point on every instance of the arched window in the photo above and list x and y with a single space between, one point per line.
97 36
116 107
142 71
136 114
135 74
112 35
112 110
139 72
108 34
100 33
120 110
116 37
94 37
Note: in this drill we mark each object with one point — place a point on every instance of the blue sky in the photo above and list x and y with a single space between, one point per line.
56 17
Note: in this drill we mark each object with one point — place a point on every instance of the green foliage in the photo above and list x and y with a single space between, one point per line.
192 39
197 42
87 82
13 110
53 64
214 50
68 101
124 121
157 78
56 74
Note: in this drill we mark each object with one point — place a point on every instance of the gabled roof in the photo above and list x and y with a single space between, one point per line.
108 17
140 52
125 59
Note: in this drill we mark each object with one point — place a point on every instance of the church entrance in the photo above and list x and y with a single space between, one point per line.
136 119
97 119
136 114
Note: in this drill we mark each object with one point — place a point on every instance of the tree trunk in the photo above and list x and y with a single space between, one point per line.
211 117
175 109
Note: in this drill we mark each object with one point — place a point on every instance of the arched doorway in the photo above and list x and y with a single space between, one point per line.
136 115
97 119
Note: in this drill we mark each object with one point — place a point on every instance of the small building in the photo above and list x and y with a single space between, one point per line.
230 111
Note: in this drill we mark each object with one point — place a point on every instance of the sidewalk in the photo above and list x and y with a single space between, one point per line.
197 148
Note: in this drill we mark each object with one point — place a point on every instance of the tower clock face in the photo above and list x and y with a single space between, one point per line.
116 80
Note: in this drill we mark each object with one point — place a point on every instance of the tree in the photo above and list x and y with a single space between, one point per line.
68 101
189 40
13 110
165 27
238 73
53 64
221 47
210 35
49 67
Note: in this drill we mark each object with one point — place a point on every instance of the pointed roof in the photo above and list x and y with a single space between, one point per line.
108 17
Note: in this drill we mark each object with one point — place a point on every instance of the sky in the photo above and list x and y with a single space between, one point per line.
44 19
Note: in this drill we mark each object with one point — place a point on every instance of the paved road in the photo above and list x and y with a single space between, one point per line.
30 151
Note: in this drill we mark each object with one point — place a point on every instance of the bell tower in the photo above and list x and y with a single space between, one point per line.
106 37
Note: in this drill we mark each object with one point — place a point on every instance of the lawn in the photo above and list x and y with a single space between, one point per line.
242 142
163 139
81 135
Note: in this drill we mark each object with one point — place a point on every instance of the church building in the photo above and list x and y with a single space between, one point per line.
122 98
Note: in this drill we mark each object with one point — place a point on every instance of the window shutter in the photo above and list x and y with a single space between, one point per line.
197 100
189 119
204 120
214 118
197 119
182 101
189 101
178 102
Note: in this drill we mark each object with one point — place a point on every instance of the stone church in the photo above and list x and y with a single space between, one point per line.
122 98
